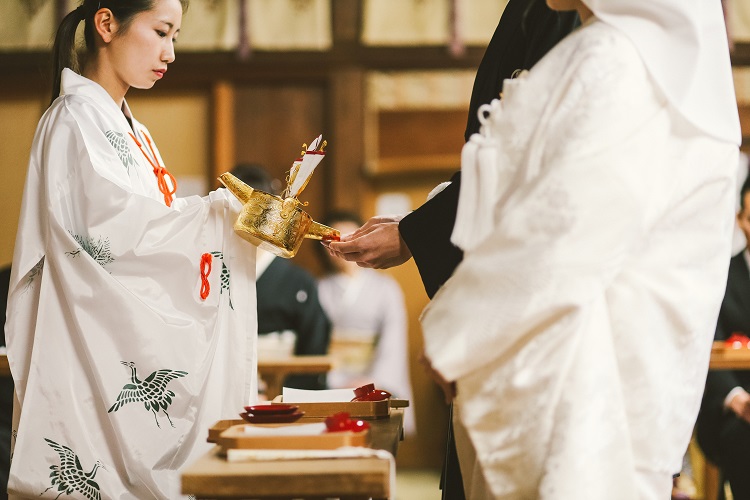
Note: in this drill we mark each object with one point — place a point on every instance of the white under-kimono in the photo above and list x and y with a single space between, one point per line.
596 224
127 318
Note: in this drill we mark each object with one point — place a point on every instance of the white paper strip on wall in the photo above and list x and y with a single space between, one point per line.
290 24
739 20
419 90
27 24
479 19
427 22
405 22
210 25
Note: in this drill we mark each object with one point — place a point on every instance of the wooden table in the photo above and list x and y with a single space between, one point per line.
346 478
4 366
723 358
274 370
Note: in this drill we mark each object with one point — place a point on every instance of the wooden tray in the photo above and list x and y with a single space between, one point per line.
221 426
235 438
355 409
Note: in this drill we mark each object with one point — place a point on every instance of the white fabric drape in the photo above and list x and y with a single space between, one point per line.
578 326
116 357
684 47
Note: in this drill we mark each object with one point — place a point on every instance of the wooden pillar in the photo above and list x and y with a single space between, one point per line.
344 182
223 129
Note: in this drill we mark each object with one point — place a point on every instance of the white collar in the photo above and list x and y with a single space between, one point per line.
262 261
71 83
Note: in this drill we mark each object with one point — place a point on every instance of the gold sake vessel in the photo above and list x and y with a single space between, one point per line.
273 223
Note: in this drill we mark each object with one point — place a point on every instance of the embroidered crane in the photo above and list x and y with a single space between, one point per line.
69 476
152 392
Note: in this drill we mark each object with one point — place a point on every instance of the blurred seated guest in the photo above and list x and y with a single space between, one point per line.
290 318
724 419
369 342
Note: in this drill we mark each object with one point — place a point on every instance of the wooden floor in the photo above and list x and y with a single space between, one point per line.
417 484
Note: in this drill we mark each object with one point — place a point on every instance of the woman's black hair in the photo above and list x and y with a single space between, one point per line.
64 53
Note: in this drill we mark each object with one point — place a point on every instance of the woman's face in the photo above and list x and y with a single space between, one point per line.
139 56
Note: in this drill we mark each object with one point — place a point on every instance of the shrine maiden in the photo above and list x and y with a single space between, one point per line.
596 217
128 308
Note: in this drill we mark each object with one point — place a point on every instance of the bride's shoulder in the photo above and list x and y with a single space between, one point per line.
603 42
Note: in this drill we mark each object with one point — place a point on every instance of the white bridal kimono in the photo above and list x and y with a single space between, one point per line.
597 226
126 318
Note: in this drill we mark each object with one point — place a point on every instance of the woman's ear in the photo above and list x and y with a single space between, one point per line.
105 24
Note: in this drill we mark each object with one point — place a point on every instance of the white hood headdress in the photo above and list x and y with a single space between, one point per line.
684 46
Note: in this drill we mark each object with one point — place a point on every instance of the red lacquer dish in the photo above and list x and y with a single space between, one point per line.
368 392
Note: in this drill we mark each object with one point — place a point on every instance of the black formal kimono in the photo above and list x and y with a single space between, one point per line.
525 33
724 438
288 300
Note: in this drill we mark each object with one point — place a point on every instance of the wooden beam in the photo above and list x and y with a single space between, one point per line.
741 54
31 69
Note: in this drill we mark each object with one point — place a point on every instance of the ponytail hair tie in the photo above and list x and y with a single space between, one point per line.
81 12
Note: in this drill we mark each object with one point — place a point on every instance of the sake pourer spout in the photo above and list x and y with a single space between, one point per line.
242 191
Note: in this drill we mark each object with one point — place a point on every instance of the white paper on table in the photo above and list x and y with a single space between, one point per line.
290 395
287 430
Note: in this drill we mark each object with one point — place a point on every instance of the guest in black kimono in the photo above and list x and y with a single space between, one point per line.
724 419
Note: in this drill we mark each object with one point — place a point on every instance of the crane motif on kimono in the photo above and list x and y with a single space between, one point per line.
152 392
69 476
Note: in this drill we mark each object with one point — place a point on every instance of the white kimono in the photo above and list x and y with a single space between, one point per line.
597 227
126 318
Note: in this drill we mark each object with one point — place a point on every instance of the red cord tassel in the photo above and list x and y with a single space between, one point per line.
206 259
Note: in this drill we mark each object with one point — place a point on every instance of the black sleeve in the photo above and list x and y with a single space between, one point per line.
427 233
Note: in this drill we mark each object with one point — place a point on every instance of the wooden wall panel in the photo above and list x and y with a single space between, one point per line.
345 183
418 141
18 119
